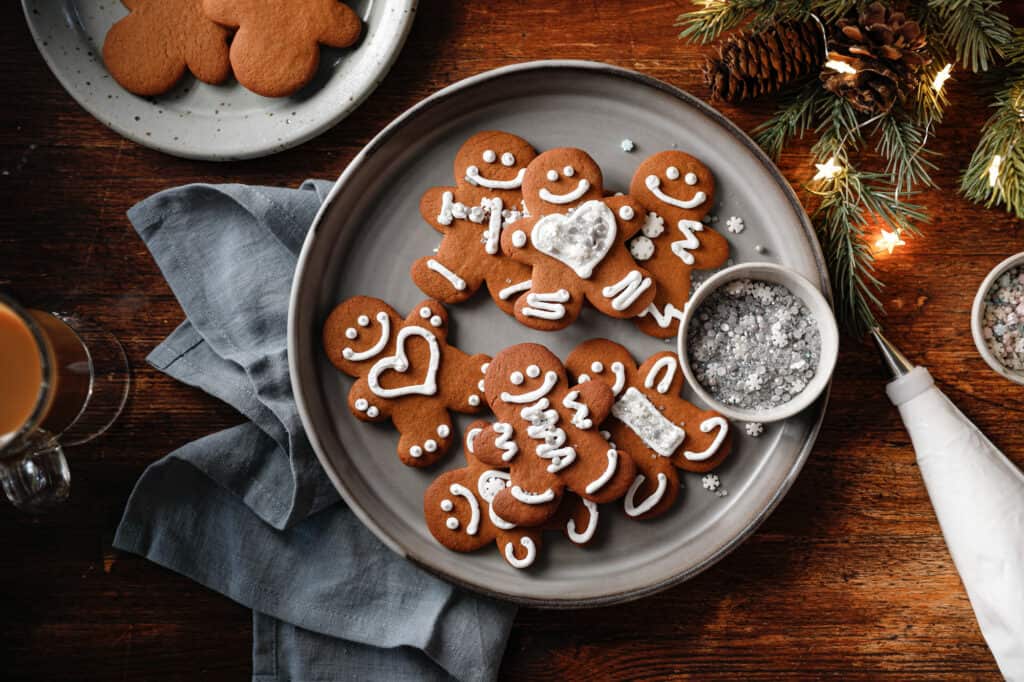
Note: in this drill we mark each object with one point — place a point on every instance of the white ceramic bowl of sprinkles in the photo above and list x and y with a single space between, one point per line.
752 368
979 324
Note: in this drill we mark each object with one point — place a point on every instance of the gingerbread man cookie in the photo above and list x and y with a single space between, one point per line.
547 435
149 50
276 50
486 198
660 429
578 255
676 191
406 372
457 507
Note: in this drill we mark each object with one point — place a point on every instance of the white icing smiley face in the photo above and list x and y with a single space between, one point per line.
567 197
672 174
373 341
491 167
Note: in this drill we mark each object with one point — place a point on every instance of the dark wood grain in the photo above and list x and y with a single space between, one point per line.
849 578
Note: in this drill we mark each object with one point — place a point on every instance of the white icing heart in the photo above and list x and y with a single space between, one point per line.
399 362
580 240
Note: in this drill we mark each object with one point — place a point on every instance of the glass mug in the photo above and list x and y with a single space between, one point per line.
63 381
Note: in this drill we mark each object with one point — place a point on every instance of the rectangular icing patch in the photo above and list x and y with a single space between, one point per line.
638 413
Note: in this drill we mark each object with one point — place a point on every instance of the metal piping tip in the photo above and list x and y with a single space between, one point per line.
891 356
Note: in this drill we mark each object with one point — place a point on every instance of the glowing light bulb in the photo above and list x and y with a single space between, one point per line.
889 240
941 77
827 170
993 170
841 67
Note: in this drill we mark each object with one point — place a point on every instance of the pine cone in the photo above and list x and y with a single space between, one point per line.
884 51
749 64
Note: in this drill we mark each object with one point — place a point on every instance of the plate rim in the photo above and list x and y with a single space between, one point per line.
368 82
819 406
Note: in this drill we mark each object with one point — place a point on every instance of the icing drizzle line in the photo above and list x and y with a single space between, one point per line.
653 183
531 553
600 481
648 504
666 363
568 197
457 282
546 305
689 242
706 426
582 413
588 532
627 290
532 498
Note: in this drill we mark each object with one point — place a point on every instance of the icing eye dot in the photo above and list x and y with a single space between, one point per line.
490 156
672 173
351 333
372 412
626 213
533 371
552 175
446 505
568 171
583 378
363 321
416 451
517 378
519 239
483 367
652 181
473 400
443 431
425 312
435 321
430 445
596 367
361 404
452 523
508 159
480 385
691 179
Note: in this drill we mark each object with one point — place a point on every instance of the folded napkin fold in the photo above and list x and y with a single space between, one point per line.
248 511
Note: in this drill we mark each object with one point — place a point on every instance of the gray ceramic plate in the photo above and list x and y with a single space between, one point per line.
214 122
369 232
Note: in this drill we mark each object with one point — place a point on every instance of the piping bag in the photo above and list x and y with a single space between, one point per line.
978 495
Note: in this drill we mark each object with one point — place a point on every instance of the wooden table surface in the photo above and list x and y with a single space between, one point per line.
848 578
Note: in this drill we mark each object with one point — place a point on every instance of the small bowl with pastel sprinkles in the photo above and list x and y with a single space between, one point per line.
758 342
997 319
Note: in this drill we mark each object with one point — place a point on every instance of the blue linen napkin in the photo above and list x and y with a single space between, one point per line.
248 511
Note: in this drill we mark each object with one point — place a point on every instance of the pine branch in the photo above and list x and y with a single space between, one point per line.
851 202
901 144
1003 136
975 29
793 118
839 131
712 18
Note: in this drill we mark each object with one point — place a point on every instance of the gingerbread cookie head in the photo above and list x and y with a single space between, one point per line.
560 179
674 185
276 50
493 160
149 50
457 507
405 371
547 435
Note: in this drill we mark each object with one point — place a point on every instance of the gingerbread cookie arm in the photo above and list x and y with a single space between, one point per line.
661 373
206 54
436 207
601 480
365 404
629 215
341 26
654 489
595 400
551 303
708 442
581 521
519 546
492 444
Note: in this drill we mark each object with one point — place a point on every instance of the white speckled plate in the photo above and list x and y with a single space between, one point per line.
214 122
368 233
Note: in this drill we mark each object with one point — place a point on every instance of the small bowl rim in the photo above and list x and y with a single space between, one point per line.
977 310
802 288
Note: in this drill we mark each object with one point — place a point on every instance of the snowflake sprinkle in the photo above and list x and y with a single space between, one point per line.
735 224
755 429
627 145
710 482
